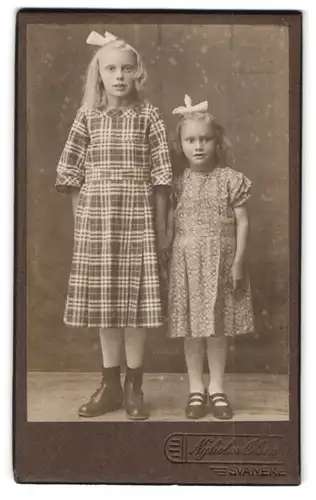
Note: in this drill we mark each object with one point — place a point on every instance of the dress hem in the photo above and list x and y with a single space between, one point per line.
238 334
89 325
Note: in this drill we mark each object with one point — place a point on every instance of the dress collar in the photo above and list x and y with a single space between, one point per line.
122 112
188 172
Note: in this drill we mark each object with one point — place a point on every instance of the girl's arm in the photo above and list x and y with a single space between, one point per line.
161 175
170 222
71 165
162 194
242 231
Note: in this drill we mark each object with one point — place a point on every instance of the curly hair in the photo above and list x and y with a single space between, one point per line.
94 94
223 145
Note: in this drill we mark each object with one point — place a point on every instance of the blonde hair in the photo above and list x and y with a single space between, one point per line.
223 145
94 94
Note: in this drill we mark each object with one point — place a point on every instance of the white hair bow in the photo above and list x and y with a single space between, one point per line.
96 39
188 108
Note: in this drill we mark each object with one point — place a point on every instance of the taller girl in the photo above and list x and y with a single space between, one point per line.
116 165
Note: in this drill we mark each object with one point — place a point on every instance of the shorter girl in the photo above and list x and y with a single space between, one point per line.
209 295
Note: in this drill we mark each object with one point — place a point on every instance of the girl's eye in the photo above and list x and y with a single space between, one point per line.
110 68
128 69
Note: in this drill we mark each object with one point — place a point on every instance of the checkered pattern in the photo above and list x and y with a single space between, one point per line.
115 157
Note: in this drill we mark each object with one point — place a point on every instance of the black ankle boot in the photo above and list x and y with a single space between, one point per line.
108 397
133 395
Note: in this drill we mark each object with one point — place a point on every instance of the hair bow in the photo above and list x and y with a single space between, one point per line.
188 108
96 39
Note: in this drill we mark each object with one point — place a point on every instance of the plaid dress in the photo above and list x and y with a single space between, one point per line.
115 156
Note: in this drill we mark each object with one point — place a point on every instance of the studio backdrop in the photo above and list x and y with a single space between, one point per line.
243 72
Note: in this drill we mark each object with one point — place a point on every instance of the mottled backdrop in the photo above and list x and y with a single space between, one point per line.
243 72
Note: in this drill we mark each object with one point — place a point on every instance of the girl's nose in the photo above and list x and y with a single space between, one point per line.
198 146
119 74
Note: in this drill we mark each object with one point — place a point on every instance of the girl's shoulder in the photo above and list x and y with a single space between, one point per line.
236 185
79 119
228 171
231 175
84 113
80 112
91 112
150 109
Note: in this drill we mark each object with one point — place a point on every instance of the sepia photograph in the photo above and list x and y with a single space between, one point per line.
157 264
157 222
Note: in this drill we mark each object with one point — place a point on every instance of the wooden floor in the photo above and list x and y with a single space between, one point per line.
55 397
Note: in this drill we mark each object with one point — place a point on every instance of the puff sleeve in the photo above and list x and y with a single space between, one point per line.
71 166
161 171
239 189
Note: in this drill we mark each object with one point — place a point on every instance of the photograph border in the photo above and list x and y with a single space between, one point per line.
99 452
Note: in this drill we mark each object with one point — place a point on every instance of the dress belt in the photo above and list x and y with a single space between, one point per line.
117 176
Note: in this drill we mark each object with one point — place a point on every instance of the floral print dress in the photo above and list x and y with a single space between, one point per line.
202 302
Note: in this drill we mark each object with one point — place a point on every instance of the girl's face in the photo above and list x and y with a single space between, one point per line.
198 143
117 70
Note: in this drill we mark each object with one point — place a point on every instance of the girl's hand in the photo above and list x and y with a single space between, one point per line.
163 239
237 274
165 236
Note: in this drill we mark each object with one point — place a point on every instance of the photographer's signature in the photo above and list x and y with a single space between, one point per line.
212 448
207 447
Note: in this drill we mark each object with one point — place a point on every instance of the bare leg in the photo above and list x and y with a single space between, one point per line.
194 357
135 339
216 354
111 340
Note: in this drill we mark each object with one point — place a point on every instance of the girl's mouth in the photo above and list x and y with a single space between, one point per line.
120 86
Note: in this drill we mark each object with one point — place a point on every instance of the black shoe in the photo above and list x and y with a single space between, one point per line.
133 395
108 397
196 406
222 411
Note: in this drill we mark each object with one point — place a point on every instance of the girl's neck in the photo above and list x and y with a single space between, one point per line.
204 169
120 102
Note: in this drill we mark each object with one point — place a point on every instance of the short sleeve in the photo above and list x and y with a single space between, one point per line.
71 166
161 172
239 188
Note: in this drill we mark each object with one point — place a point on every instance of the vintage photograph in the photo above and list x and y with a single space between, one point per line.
157 209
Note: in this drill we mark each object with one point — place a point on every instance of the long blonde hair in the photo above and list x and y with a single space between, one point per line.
94 94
